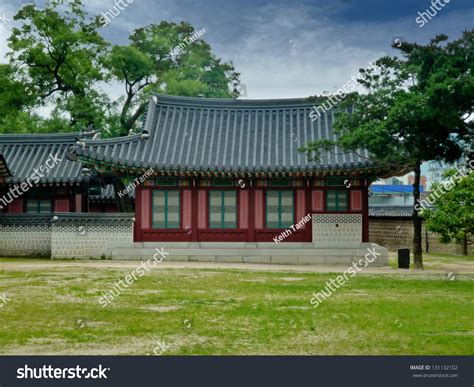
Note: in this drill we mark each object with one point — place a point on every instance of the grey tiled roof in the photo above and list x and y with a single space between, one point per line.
391 211
201 134
84 218
4 171
24 152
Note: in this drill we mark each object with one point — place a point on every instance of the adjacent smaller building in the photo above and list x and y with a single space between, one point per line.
4 171
392 195
43 179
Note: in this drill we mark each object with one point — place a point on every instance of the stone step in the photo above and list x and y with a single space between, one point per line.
275 255
259 245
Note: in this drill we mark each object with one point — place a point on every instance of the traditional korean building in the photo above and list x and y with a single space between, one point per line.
230 171
212 179
51 206
43 180
4 171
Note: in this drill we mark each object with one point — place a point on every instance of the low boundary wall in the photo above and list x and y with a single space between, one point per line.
398 233
25 235
63 235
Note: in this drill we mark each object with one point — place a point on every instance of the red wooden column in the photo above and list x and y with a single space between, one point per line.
301 210
61 205
309 225
16 206
243 209
194 215
365 209
187 212
78 203
259 208
251 212
356 200
143 205
202 211
138 215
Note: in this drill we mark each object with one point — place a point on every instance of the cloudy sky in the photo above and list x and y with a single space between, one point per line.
285 48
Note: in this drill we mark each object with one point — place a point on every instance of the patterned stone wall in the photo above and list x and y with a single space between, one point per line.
62 235
87 235
398 233
337 228
25 240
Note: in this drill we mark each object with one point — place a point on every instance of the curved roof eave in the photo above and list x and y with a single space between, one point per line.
218 135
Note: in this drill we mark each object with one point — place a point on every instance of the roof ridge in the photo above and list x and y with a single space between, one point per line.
35 137
112 140
231 102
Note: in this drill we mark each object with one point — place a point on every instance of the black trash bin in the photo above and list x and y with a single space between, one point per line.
403 258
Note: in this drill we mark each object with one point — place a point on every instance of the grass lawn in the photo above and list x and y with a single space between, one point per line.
186 311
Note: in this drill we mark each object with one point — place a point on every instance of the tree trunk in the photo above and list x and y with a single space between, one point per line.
125 128
123 114
124 203
464 247
417 247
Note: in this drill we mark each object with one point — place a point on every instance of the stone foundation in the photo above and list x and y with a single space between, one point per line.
291 253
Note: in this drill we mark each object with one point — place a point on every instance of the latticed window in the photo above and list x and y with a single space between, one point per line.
166 209
36 206
222 209
166 181
336 200
280 209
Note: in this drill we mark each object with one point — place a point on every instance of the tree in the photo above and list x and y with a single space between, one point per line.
58 56
14 96
414 110
60 60
149 64
15 105
453 214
